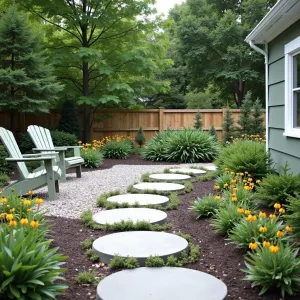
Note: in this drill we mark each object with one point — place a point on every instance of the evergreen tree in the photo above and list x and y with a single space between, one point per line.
227 126
26 81
68 119
245 122
257 122
213 133
198 121
140 138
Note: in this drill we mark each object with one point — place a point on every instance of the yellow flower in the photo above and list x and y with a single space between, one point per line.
262 228
30 193
9 217
34 224
247 212
240 210
250 179
3 200
280 233
246 172
251 218
218 197
262 214
272 216
233 181
24 221
241 174
216 187
282 210
79 142
226 169
274 249
247 188
27 202
253 245
234 199
288 228
39 201
232 173
225 185
266 244
29 210
258 181
277 205
244 180
12 223
235 189
12 210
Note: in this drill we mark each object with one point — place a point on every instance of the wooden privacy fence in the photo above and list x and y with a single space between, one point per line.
127 122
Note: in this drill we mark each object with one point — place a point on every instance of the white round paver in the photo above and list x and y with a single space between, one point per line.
140 245
165 283
141 199
170 177
188 171
211 168
152 216
159 186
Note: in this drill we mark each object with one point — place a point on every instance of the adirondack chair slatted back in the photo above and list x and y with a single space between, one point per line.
12 147
41 137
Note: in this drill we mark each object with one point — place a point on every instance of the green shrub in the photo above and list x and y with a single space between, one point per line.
92 158
187 146
245 231
131 263
205 206
92 255
88 243
119 262
227 126
117 150
4 180
87 277
277 188
29 266
140 138
293 214
198 121
32 165
154 262
5 167
269 270
59 139
226 218
171 261
247 156
212 132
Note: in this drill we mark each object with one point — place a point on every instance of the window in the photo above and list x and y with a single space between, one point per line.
292 88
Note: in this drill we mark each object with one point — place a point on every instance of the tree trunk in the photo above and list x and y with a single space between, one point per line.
12 120
87 108
239 91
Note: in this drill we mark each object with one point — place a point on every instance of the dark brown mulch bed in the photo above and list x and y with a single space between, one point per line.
218 256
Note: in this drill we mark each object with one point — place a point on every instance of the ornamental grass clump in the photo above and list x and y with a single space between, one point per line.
205 206
274 266
246 155
117 149
187 146
277 188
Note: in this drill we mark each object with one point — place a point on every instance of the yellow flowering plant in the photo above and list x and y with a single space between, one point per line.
274 266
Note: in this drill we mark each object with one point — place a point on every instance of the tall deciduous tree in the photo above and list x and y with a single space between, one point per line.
210 38
107 50
26 80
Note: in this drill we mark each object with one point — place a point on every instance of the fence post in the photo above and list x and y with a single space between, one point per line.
161 118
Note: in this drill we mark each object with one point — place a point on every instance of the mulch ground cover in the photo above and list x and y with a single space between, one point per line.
218 256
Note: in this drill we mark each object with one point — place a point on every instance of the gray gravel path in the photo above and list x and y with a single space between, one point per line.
79 194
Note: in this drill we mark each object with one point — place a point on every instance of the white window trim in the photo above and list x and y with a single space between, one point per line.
290 49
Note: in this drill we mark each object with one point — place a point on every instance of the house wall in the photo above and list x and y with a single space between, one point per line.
282 148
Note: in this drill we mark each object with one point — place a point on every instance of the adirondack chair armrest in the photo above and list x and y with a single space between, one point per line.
76 149
55 149
37 154
24 159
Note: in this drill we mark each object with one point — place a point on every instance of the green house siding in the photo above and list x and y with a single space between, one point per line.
282 148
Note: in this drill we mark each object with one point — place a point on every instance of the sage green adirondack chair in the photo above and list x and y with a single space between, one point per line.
43 141
48 175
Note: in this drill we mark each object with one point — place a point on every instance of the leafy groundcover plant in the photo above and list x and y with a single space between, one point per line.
187 145
92 158
205 206
274 266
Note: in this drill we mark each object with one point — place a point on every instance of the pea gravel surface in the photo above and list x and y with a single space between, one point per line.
80 194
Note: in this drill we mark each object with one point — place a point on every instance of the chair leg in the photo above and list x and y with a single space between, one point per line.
78 172
50 180
62 165
56 186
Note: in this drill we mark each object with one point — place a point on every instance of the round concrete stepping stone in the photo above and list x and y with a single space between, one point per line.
170 177
161 284
211 168
139 244
188 171
159 186
152 216
141 199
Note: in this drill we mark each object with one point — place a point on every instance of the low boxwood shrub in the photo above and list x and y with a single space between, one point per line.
247 156
117 150
87 277
205 206
92 158
270 270
277 188
4 180
187 146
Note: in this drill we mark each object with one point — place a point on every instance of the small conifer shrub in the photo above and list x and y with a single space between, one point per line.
140 138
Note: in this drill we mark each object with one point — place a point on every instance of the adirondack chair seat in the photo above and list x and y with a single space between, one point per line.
56 169
74 161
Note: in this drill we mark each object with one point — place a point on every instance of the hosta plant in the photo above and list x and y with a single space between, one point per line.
276 266
92 158
117 150
205 206
29 267
277 188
